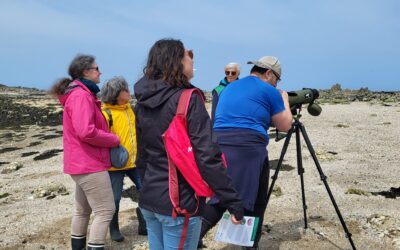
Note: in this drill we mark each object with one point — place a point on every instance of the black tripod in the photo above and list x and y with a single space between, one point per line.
297 126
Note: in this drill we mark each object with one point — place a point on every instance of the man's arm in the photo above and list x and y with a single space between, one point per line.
283 120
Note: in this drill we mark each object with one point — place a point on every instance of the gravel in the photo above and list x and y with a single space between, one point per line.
357 146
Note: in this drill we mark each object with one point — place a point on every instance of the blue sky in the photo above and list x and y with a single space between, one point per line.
355 43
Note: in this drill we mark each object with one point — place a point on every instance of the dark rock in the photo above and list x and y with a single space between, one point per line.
16 110
35 143
8 135
4 195
392 193
47 154
47 137
337 95
131 193
29 153
9 149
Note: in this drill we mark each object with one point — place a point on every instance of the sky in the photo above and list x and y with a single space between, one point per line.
355 43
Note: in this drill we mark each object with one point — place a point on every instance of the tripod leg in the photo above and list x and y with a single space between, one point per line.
283 152
300 171
323 178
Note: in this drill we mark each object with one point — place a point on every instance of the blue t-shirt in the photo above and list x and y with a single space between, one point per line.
248 103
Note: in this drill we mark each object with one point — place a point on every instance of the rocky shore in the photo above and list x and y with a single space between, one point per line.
28 106
356 140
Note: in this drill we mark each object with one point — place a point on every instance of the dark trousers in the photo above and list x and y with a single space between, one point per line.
213 213
117 183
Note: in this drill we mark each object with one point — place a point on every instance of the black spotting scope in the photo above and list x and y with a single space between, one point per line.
300 97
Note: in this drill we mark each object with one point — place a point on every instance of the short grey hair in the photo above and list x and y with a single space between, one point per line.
111 89
233 65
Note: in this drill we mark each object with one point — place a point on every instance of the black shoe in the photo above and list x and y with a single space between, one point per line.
78 242
114 229
142 230
200 245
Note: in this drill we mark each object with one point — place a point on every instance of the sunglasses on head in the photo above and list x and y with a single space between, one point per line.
230 73
190 52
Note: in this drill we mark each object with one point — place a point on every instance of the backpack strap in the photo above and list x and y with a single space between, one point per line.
173 183
184 100
110 120
174 196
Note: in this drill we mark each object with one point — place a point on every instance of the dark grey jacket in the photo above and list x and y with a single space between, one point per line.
156 106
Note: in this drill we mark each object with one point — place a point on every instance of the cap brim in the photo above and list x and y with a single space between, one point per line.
251 62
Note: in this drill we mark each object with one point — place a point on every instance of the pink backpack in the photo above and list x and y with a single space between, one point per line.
180 156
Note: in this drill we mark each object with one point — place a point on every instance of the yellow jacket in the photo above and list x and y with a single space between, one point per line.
123 126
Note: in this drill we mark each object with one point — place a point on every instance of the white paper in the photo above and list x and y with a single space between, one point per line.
242 234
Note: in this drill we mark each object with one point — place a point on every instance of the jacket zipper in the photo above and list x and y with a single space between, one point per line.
130 133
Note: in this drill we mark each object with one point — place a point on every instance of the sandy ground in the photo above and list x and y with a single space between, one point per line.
357 146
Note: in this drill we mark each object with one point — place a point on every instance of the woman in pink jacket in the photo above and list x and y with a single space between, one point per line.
87 142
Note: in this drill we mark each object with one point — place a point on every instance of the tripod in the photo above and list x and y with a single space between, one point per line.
298 127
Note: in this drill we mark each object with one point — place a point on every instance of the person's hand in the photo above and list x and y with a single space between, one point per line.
234 220
284 95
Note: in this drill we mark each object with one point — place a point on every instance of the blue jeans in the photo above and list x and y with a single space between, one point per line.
164 233
117 183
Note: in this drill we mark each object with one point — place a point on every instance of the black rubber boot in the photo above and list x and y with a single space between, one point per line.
142 230
114 229
205 227
92 246
78 242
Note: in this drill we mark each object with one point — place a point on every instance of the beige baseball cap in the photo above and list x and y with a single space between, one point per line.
269 62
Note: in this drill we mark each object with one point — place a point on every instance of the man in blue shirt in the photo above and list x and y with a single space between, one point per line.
243 115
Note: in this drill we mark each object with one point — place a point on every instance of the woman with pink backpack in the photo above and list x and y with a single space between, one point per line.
167 74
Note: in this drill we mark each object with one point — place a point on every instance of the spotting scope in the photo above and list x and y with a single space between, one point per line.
300 97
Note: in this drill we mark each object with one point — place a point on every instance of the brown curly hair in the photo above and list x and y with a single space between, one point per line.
165 62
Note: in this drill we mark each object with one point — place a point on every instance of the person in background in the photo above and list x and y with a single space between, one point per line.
119 115
232 72
244 113
167 73
87 142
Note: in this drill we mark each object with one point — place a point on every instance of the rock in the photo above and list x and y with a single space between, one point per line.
336 88
50 191
141 246
4 195
47 154
14 166
396 243
27 107
357 191
341 125
325 155
277 191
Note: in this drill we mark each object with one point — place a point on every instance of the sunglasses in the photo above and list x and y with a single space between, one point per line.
277 77
230 73
190 52
96 68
